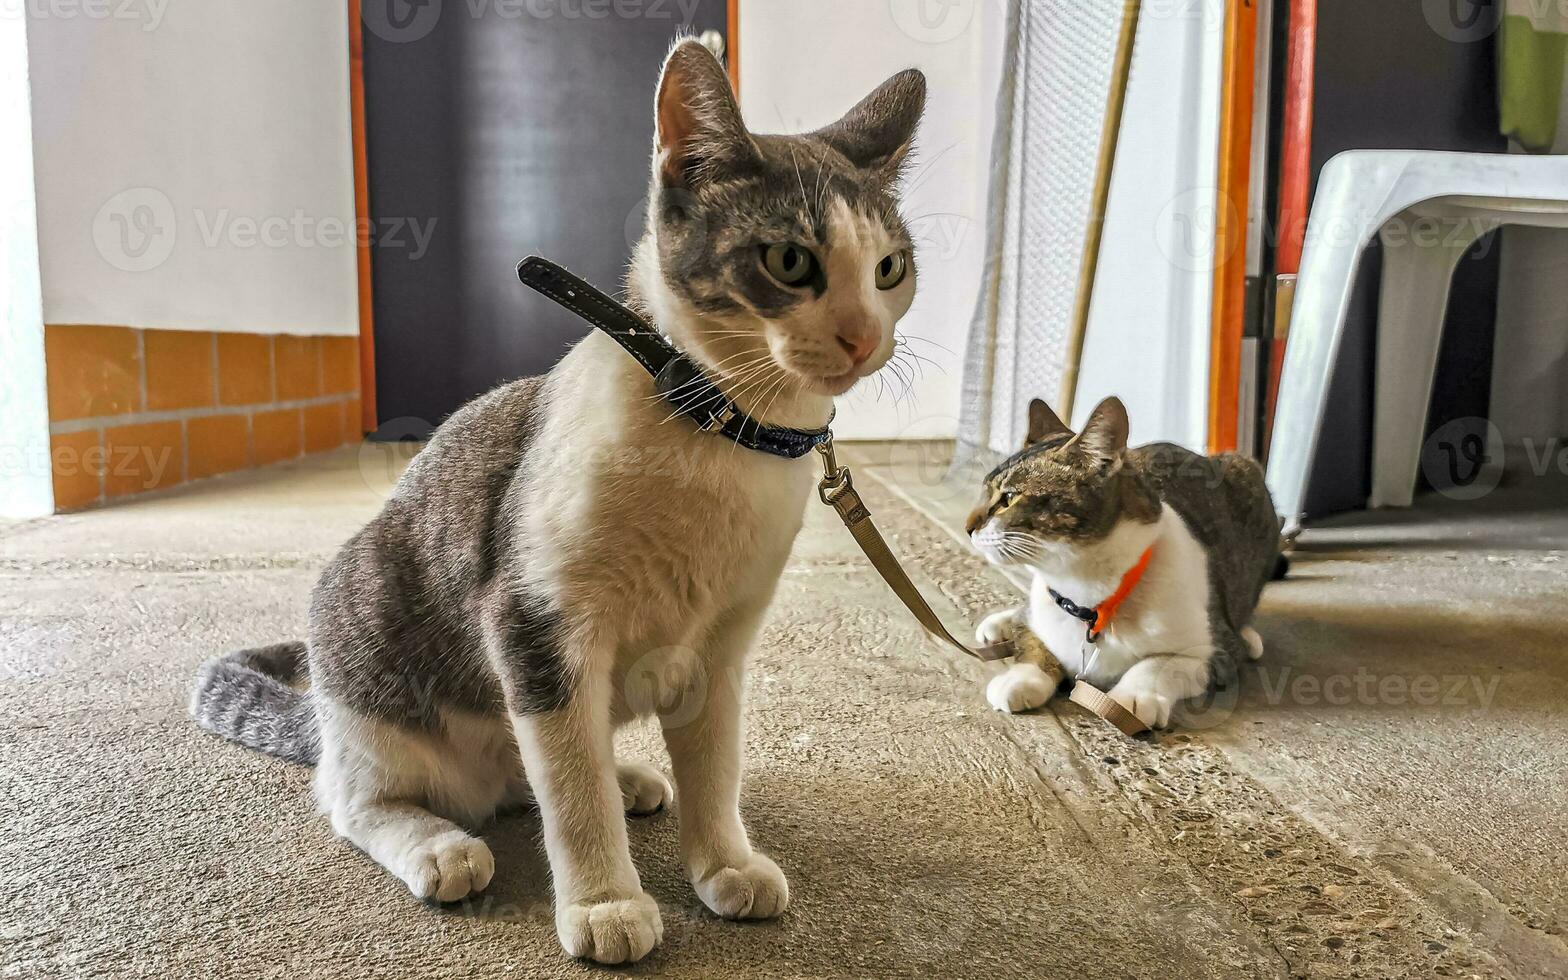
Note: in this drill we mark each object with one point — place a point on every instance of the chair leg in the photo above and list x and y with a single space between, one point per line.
1341 226
1414 299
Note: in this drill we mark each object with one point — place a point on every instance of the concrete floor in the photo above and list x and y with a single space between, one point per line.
1337 819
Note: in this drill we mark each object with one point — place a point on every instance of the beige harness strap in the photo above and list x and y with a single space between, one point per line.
838 492
1088 696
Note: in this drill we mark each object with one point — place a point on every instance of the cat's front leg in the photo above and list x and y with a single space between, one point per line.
705 744
558 696
601 911
1154 686
998 626
1035 673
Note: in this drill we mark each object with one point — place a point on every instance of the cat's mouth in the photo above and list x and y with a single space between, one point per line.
837 384
819 383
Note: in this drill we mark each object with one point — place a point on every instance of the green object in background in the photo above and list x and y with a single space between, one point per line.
1532 52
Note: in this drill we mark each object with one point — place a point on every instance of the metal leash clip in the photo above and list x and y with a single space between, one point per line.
835 478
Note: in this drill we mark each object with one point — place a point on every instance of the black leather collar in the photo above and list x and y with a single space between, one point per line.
677 377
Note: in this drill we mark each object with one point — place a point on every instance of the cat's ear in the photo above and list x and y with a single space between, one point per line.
1043 424
878 132
1104 436
697 125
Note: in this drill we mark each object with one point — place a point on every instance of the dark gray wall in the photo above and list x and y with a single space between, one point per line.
1418 75
524 128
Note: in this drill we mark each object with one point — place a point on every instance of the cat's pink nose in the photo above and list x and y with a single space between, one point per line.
858 346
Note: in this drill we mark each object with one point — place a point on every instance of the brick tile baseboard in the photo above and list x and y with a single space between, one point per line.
136 410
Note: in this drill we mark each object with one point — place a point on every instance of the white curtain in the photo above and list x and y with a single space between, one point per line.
1050 110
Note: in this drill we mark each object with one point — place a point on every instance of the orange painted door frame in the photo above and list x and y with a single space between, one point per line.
367 319
1230 223
732 43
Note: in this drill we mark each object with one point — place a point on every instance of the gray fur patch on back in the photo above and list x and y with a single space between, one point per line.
401 620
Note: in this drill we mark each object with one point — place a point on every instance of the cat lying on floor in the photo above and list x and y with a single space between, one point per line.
486 625
1147 563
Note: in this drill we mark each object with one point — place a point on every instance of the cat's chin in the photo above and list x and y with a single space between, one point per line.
829 386
836 385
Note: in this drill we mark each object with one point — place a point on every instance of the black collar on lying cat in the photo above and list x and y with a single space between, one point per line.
677 377
1097 618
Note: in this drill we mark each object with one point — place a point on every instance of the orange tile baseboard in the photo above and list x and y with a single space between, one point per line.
132 411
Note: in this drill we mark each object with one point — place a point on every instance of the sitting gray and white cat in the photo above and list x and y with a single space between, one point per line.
1174 546
562 539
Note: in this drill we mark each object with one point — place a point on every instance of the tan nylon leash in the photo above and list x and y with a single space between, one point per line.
838 491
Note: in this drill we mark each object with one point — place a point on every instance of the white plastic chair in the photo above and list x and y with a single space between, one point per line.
1428 207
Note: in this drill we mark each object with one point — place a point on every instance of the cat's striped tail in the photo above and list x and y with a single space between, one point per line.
245 697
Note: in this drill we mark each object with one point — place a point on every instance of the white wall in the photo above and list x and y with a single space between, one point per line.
26 489
803 64
1149 327
193 164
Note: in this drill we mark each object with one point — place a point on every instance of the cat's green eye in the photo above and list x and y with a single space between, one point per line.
892 268
1006 498
790 264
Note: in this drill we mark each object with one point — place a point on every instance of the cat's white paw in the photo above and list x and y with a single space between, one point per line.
1146 698
756 890
447 867
1254 642
618 931
1021 687
644 789
996 627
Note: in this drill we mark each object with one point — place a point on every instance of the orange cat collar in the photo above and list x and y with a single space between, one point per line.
1097 618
